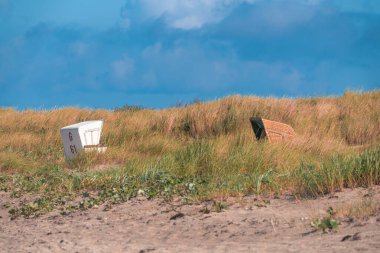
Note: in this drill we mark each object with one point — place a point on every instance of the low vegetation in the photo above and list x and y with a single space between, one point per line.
195 152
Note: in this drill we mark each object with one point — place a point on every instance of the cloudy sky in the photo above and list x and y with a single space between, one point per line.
157 53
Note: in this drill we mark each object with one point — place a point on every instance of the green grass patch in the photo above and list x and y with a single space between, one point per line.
189 174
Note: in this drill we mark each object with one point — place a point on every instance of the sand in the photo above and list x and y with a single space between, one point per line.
248 225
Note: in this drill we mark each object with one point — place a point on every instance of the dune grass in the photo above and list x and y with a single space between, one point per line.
197 151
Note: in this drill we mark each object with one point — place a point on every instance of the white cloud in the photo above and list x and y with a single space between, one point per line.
186 14
188 23
194 14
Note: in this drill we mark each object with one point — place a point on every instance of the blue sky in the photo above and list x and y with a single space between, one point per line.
157 53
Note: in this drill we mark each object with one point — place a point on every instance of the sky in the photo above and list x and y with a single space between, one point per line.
160 53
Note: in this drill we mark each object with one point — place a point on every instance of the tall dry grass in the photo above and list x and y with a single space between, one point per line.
212 140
